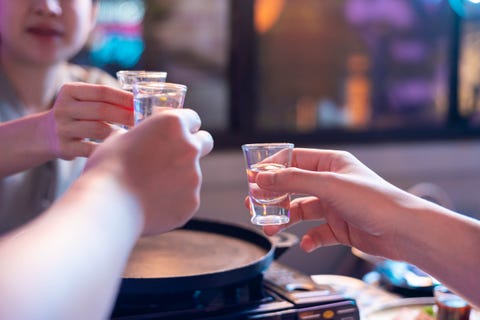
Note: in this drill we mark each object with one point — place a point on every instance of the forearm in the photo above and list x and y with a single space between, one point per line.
67 264
24 144
445 245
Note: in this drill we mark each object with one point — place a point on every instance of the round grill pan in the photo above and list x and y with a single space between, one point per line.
202 254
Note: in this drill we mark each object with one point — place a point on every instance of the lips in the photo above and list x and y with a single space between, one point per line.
44 31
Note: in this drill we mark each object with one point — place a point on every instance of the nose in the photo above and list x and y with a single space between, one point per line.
47 7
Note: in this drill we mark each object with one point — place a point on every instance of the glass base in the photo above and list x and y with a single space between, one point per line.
270 220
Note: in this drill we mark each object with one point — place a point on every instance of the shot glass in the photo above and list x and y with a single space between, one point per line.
267 207
128 77
150 95
449 305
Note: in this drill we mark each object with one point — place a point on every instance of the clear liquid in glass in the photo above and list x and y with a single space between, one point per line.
267 207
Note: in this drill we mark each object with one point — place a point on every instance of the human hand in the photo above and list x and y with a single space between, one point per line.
81 112
158 161
358 207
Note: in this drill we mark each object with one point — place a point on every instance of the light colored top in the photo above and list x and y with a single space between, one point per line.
25 195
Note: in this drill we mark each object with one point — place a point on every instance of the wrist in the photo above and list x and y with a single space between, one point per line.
106 192
423 228
27 144
45 131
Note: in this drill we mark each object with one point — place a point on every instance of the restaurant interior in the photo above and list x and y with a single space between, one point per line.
394 82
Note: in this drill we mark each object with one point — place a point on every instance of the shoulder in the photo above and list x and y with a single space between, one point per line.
90 75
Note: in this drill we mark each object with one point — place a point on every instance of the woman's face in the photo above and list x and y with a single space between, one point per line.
44 32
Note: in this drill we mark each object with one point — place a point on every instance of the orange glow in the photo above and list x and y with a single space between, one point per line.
267 13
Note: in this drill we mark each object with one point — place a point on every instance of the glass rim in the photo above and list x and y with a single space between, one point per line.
147 84
268 145
142 72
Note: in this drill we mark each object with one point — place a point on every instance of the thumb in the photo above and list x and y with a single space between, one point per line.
293 180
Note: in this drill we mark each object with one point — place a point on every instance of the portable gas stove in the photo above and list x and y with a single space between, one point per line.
278 293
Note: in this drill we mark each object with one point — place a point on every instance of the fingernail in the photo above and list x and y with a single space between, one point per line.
307 244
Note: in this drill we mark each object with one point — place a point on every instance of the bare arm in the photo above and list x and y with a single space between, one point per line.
24 144
67 264
445 245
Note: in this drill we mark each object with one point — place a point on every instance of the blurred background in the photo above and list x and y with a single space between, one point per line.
395 82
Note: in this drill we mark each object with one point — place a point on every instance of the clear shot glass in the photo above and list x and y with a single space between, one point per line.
267 207
127 78
150 95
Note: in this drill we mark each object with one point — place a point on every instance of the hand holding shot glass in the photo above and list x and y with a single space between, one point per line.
266 207
150 95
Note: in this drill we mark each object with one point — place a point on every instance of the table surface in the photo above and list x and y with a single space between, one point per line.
370 298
